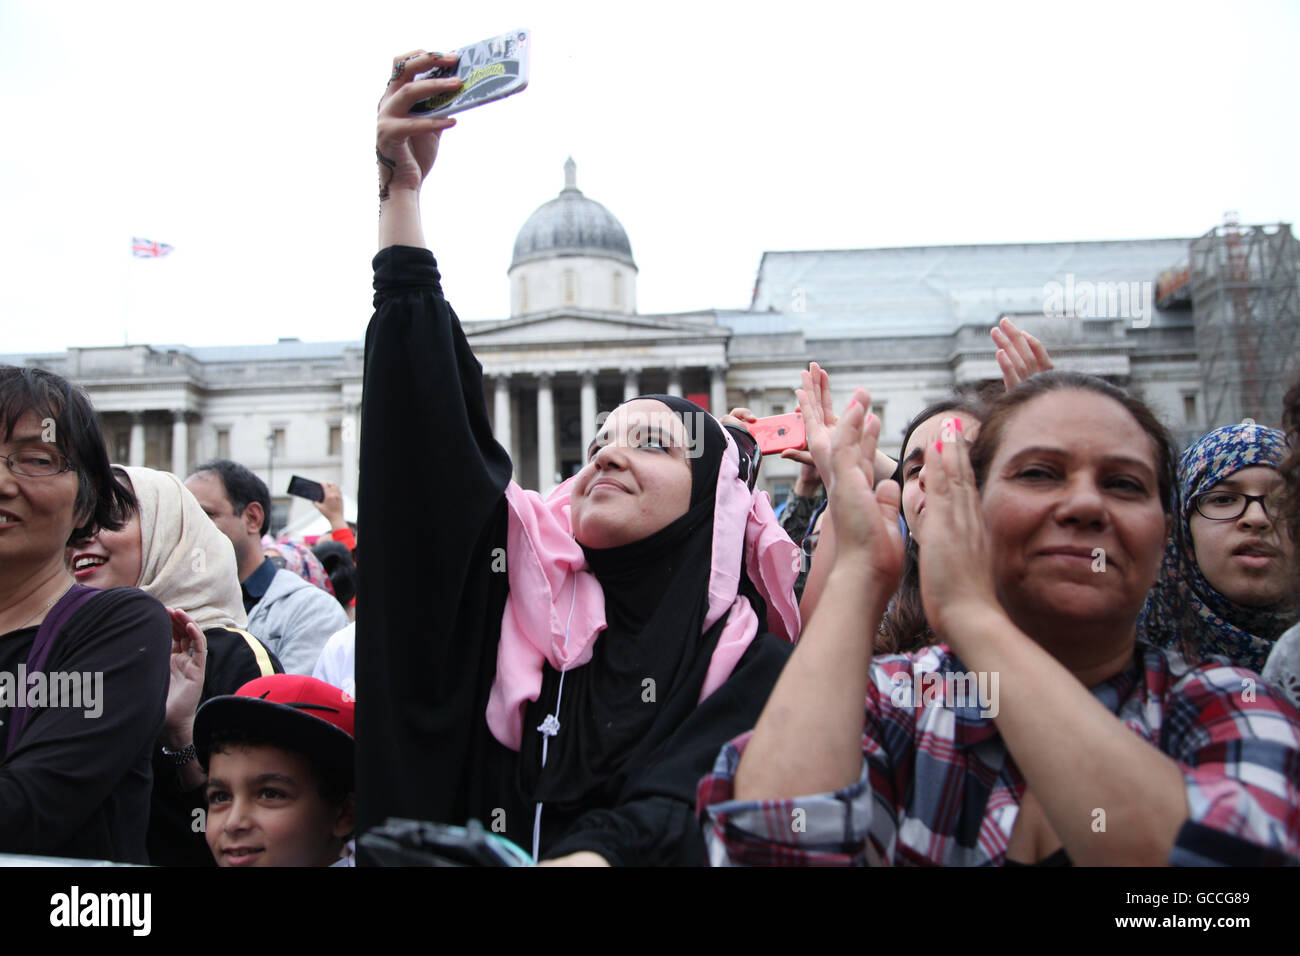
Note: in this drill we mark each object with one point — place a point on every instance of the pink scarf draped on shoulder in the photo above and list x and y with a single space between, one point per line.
556 608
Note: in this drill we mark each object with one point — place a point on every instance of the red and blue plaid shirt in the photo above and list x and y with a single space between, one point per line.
938 786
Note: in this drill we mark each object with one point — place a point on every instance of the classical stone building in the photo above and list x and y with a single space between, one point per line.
911 324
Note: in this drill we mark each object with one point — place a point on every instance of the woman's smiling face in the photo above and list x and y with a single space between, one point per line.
37 515
637 479
1072 504
111 559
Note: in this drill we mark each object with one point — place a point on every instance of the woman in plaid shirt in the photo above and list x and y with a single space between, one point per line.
1081 744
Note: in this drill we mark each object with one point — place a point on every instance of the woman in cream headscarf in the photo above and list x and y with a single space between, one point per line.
171 550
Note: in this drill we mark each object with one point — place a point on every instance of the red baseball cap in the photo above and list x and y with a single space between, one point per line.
288 710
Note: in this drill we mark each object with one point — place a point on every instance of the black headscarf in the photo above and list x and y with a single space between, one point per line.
648 666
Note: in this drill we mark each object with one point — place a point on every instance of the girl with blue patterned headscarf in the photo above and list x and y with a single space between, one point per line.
1184 610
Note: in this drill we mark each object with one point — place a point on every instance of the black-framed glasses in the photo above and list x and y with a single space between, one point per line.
1231 505
751 456
37 464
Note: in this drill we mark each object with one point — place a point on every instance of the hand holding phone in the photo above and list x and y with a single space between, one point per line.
777 433
306 488
488 70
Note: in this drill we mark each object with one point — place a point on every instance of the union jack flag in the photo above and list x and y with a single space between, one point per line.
147 249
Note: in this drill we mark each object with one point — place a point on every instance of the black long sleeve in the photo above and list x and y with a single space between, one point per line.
432 510
77 784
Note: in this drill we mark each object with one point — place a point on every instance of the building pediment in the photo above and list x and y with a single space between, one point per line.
569 327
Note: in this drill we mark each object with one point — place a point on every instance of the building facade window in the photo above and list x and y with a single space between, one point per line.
570 287
618 290
279 514
336 440
523 294
1189 409
223 442
279 440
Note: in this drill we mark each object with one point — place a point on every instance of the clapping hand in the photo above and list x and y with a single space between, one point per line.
818 421
865 514
956 576
188 667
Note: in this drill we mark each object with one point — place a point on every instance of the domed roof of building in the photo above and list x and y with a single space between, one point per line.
571 224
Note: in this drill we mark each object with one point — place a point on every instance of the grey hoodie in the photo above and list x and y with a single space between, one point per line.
295 619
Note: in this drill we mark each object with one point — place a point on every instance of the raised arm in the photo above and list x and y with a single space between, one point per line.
822 690
431 501
406 146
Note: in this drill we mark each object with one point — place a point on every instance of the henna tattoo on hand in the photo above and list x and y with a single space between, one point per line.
384 164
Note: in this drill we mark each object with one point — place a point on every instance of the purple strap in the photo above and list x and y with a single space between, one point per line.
59 614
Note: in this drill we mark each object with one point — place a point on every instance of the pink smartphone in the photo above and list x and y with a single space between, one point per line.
777 433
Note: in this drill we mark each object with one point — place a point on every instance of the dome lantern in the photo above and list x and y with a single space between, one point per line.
572 252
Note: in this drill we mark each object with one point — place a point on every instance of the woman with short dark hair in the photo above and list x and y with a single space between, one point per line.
77 737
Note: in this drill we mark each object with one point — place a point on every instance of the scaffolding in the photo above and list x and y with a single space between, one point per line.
1246 308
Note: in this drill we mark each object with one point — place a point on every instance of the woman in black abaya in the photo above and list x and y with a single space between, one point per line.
563 669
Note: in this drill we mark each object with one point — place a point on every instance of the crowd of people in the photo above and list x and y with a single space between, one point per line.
1094 659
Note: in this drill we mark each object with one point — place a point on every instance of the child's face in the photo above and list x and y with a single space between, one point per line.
265 809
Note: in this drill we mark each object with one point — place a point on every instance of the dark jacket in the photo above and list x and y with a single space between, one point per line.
77 783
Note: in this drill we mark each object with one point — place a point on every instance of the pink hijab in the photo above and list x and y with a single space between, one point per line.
556 609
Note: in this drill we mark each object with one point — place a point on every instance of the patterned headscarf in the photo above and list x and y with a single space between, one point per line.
1184 611
299 559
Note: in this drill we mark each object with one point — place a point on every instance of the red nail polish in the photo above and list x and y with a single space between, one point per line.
957 423
938 445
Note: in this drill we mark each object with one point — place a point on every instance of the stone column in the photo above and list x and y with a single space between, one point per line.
180 445
137 440
588 409
718 391
675 382
350 466
631 386
545 435
501 412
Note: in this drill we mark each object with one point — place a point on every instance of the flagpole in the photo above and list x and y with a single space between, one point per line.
140 248
126 301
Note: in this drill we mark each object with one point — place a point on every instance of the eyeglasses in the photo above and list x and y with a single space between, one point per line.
37 464
751 456
1230 505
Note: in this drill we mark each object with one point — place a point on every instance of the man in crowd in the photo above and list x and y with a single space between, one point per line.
293 618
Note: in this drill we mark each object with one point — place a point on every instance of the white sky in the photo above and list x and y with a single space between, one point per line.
243 134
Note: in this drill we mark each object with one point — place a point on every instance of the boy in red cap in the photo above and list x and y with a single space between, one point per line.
279 756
